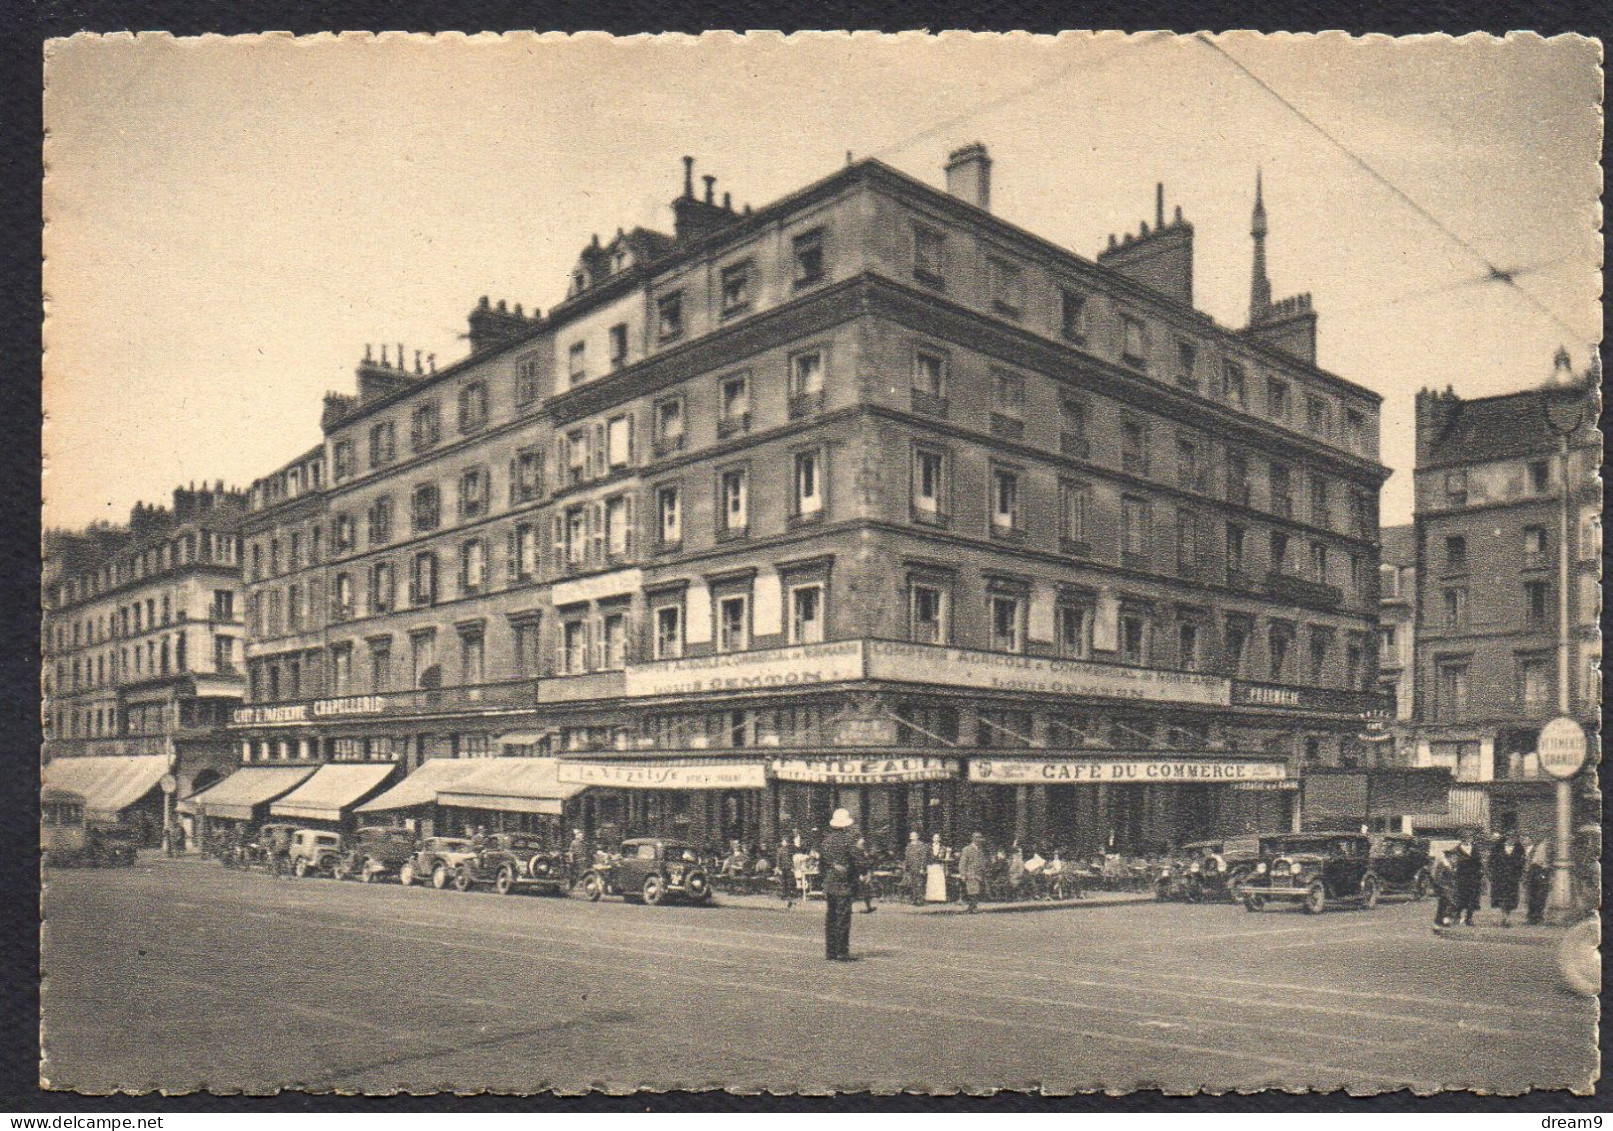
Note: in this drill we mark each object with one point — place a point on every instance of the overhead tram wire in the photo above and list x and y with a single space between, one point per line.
1052 80
1447 288
1496 273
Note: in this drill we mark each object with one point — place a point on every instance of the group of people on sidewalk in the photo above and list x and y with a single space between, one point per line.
1513 863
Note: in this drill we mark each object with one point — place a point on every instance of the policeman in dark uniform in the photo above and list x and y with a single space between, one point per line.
842 864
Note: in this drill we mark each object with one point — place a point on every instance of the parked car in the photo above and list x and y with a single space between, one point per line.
1402 865
511 860
650 869
375 852
1313 870
436 860
314 852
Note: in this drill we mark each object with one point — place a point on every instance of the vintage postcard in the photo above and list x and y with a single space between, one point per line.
830 563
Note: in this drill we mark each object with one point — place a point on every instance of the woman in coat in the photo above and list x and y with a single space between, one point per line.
1507 862
1469 868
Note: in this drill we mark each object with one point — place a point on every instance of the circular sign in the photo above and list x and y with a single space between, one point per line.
169 783
1562 747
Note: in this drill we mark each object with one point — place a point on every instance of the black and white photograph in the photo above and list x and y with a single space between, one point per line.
935 563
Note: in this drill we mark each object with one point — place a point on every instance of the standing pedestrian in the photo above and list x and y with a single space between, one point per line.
972 870
865 881
1469 868
842 863
786 872
1443 877
576 858
913 864
1016 871
1538 880
1507 862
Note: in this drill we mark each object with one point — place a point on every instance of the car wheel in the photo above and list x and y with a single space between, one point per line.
406 873
592 887
1235 884
341 871
1253 903
654 890
301 868
439 876
1315 899
1424 885
505 883
1369 893
462 878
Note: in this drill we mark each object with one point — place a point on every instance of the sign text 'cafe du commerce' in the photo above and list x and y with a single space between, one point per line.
1125 771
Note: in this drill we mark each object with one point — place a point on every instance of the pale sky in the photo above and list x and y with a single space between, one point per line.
229 221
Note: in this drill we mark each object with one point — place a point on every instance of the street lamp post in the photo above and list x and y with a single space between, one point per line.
1564 411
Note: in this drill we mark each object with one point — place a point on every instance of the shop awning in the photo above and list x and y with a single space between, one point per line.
421 787
243 791
109 785
512 785
333 788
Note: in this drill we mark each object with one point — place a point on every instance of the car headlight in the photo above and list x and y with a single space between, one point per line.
1165 874
1194 869
1260 868
1295 869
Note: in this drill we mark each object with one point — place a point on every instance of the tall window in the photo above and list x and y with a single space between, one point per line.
1321 644
574 647
619 526
1134 446
426 506
668 632
343 608
1007 394
1534 682
1238 490
526 476
1456 487
1235 644
574 535
805 379
617 340
577 363
929 381
526 379
425 427
1187 646
669 515
1234 386
733 624
809 258
1277 398
733 504
808 493
1133 341
1074 629
1318 417
472 406
1319 562
1450 690
1072 316
1075 500
1007 287
1279 551
1187 361
1234 548
806 614
381 588
929 256
1005 516
342 533
1282 488
1536 602
524 556
736 287
472 493
1133 636
1456 553
613 641
1539 478
1454 601
1321 508
473 566
1534 545
927 614
380 522
341 668
576 449
669 316
1134 524
1073 424
423 579
619 441
1278 642
1005 627
342 459
734 405
669 424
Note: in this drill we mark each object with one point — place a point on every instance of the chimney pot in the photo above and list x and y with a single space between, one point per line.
727 202
431 360
711 185
501 307
969 175
367 351
1159 204
383 355
688 178
1178 216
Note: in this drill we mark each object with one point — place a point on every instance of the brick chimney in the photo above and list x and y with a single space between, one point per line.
494 326
969 175
693 217
1160 258
1436 413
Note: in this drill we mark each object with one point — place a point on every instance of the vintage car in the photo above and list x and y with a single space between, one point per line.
1403 865
436 860
651 869
314 852
375 852
1209 871
1313 870
514 860
67 840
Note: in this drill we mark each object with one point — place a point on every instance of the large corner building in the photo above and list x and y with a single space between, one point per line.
865 498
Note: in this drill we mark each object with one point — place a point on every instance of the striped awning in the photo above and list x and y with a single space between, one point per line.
332 790
512 785
421 787
109 784
238 796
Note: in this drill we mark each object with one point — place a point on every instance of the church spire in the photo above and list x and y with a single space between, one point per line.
1259 284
